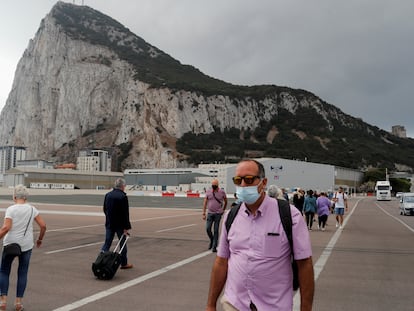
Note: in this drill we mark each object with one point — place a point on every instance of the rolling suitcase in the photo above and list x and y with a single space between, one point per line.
107 263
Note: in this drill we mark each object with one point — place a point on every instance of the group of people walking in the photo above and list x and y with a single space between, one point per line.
248 255
320 204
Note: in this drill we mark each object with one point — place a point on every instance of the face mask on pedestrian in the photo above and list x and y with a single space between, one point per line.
248 194
214 187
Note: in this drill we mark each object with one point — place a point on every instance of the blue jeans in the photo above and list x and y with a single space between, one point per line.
109 237
22 270
213 219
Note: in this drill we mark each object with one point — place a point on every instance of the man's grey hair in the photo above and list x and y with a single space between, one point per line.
20 192
274 192
120 183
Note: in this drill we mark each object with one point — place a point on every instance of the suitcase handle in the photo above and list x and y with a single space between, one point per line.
118 245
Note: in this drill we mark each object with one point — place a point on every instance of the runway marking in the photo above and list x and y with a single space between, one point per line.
133 221
76 213
170 229
323 258
100 225
118 288
72 248
396 218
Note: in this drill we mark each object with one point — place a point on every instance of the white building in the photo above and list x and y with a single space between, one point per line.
292 174
284 173
9 155
399 130
94 160
35 164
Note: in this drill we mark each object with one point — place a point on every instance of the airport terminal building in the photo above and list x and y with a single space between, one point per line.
59 178
288 174
284 173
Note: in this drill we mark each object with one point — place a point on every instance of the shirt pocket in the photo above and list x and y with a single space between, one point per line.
272 245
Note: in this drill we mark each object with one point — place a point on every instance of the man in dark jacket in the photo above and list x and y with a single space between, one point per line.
116 209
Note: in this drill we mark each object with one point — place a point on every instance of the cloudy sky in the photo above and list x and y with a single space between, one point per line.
356 54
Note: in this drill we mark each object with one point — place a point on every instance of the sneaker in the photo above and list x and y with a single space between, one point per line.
337 224
214 250
127 266
340 227
323 229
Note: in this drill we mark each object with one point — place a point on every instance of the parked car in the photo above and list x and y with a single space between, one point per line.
407 203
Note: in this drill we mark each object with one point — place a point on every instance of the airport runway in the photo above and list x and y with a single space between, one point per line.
366 266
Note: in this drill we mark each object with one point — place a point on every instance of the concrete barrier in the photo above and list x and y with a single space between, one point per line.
193 195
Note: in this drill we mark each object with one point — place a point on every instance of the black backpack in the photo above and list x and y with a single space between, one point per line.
286 218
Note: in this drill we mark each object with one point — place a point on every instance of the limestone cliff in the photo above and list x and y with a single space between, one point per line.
87 81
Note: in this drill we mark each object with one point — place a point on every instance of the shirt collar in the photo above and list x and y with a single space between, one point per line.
262 208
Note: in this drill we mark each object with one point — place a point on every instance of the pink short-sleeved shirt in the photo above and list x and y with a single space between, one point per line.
258 252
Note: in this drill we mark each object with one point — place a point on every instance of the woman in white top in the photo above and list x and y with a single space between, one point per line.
18 228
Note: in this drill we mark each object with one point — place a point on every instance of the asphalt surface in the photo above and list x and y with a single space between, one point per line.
366 266
97 199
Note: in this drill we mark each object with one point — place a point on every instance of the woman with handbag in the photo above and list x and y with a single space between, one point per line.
17 231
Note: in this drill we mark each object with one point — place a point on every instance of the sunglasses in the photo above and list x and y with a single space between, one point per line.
248 179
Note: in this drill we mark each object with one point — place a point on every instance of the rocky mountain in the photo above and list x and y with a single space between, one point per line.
87 81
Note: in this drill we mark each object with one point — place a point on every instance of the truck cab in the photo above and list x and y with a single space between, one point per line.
383 189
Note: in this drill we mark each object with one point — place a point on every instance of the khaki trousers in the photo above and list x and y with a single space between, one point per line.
229 307
226 305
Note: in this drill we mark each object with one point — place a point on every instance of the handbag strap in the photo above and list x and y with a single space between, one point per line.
27 226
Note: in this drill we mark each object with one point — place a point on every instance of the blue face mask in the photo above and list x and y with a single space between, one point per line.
248 194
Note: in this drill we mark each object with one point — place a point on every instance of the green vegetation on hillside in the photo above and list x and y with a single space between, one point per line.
346 147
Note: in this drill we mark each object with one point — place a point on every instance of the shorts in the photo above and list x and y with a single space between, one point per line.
339 210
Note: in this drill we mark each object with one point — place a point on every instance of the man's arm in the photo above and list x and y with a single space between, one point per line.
125 214
217 281
104 204
204 207
307 283
225 203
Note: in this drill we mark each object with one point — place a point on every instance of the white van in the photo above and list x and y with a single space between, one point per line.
383 189
407 203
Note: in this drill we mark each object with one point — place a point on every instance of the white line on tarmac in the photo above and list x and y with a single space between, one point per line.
72 248
79 213
99 225
180 227
115 289
396 218
323 258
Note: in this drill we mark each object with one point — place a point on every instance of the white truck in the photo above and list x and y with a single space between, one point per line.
383 189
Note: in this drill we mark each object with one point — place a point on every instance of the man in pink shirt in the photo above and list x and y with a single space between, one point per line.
215 202
254 258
